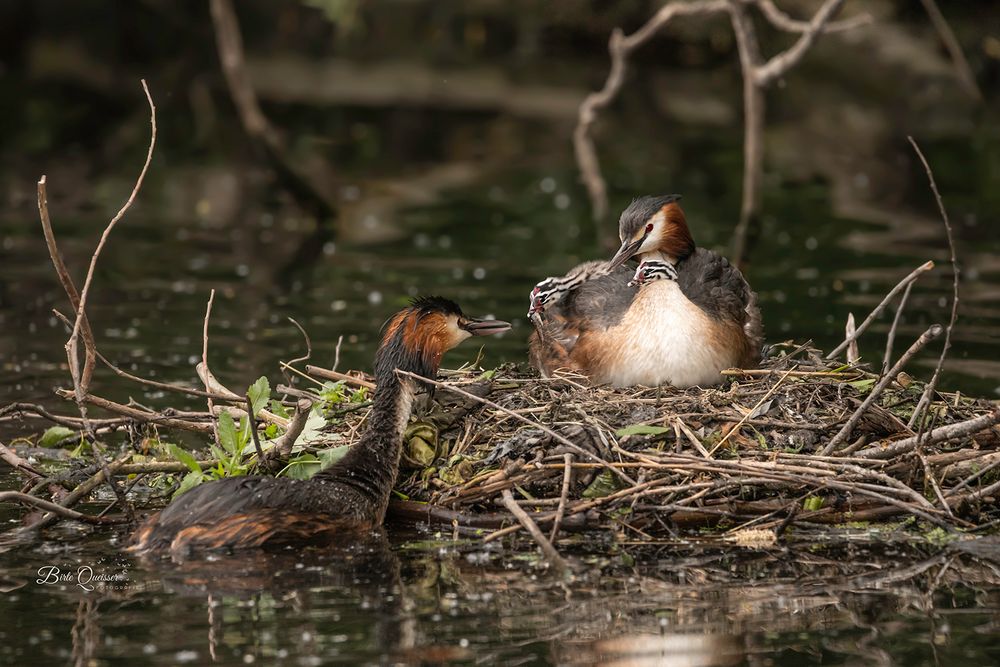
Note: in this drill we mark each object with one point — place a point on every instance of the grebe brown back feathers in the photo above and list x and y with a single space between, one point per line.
348 497
691 316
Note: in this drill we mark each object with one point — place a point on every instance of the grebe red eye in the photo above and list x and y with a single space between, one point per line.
649 228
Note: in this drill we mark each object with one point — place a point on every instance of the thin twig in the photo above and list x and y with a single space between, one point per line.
929 476
560 566
853 354
845 432
891 338
561 508
763 398
204 361
165 386
14 496
252 422
913 275
779 65
544 429
783 21
925 398
309 350
81 378
337 376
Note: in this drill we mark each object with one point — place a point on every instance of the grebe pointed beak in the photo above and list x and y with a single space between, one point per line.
626 252
484 327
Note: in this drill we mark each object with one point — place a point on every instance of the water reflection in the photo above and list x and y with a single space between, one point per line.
403 600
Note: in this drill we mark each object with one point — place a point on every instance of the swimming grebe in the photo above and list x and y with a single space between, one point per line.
681 318
348 497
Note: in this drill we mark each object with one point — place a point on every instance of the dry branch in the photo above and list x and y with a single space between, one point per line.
925 398
845 432
905 282
935 436
962 69
559 565
14 496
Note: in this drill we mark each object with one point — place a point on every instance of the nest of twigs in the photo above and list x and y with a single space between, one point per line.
770 447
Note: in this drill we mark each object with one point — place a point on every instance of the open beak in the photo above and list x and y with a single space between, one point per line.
626 252
484 327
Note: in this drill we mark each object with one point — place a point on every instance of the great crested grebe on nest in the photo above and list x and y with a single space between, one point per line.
683 316
347 498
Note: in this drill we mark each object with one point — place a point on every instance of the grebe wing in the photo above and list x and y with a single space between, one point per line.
598 302
710 282
211 503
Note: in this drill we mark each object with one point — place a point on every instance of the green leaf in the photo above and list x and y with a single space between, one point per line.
227 433
330 456
259 393
191 480
54 435
184 457
279 409
301 467
863 386
641 429
333 392
243 434
486 375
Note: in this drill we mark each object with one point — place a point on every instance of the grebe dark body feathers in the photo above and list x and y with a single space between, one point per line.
347 498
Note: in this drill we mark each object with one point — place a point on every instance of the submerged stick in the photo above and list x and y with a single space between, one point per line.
53 508
845 432
555 560
84 489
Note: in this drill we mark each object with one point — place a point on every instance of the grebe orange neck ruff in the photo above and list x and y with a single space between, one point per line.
345 499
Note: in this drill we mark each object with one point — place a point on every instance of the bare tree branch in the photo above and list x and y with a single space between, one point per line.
958 60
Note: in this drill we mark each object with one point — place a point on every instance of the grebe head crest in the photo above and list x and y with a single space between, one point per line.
651 224
416 338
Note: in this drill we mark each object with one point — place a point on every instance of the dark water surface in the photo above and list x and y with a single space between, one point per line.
477 201
423 598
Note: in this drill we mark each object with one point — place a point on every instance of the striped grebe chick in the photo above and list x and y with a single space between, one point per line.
681 318
347 498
